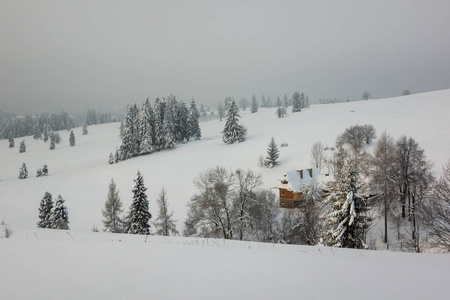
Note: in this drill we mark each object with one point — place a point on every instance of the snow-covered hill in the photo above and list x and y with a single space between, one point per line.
81 174
51 264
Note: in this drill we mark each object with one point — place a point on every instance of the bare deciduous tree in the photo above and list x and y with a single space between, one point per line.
435 212
317 155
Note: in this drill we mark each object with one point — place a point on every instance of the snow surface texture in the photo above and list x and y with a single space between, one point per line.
78 264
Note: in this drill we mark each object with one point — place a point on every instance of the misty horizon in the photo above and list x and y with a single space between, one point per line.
105 54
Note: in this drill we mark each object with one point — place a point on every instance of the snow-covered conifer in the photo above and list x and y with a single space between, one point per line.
72 138
45 132
116 156
168 126
254 105
11 142
158 125
23 147
233 132
45 211
128 147
23 172
181 123
45 170
145 128
52 140
296 102
60 215
346 220
140 215
194 131
111 158
113 207
272 154
85 129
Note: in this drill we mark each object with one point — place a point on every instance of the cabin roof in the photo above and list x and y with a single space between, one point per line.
294 180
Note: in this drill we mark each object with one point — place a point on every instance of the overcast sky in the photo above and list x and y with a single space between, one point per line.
75 55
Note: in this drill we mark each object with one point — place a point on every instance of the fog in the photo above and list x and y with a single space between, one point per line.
74 55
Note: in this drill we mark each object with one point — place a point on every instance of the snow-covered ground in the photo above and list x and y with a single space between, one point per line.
50 264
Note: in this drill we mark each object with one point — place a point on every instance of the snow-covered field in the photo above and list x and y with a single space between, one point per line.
51 264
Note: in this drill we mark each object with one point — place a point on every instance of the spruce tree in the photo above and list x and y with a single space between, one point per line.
23 172
85 129
23 147
158 125
45 133
254 105
145 129
52 140
181 123
111 158
168 126
272 154
194 131
45 211
45 170
296 102
11 142
164 223
233 132
140 216
128 147
346 220
113 207
60 215
72 138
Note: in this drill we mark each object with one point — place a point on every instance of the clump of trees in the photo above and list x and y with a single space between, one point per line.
53 215
356 136
153 129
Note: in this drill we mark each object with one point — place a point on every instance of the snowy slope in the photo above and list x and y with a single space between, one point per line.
51 264
81 174
46 264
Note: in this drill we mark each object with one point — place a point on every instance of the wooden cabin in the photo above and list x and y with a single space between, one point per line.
290 186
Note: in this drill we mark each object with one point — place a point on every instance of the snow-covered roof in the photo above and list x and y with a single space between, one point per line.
295 179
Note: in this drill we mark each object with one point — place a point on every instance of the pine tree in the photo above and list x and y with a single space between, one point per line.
140 216
194 131
85 129
346 220
45 211
164 223
60 215
254 105
23 147
272 154
296 102
72 138
23 172
233 132
113 207
11 142
52 140
111 158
